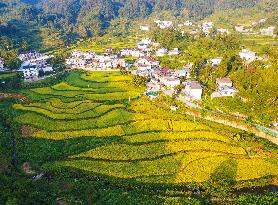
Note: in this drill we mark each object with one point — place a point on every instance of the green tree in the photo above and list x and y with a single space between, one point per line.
24 45
14 63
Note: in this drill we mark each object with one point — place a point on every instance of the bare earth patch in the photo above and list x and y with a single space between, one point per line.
17 96
28 131
27 169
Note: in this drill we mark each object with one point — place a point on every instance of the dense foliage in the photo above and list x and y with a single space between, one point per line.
52 24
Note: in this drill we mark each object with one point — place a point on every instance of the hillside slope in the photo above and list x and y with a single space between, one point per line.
67 20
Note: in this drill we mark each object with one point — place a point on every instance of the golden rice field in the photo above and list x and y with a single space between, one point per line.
137 140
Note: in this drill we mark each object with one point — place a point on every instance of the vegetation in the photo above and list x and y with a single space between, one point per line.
93 138
137 144
10 81
54 24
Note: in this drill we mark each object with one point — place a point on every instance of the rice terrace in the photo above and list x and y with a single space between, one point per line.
99 123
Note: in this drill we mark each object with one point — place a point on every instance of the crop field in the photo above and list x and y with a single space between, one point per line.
100 123
101 43
7 75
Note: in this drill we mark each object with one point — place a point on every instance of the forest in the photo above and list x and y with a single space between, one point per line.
53 23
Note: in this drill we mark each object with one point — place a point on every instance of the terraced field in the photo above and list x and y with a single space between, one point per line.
127 137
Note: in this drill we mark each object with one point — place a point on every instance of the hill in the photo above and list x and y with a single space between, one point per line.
54 23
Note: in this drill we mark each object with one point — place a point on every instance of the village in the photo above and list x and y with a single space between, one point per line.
207 28
159 79
174 82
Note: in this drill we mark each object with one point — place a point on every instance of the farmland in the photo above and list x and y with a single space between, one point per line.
99 124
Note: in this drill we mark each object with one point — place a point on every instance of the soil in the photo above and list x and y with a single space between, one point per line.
21 98
27 169
28 131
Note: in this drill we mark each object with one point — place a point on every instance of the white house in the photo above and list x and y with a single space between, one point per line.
164 24
193 89
132 52
239 28
170 82
216 61
222 31
47 69
82 54
268 31
143 67
147 41
242 29
148 61
208 24
161 52
144 28
30 71
206 30
262 20
227 91
175 51
76 63
225 88
182 73
188 23
144 44
247 55
119 63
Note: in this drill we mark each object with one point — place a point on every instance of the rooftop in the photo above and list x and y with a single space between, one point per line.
223 80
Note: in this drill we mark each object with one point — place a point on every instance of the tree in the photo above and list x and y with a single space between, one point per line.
51 37
139 81
24 45
14 63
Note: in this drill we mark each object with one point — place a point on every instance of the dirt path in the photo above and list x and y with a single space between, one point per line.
238 126
17 96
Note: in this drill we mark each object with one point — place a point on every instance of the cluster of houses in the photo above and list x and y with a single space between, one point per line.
207 26
269 31
245 54
92 61
33 64
167 79
242 29
144 28
163 51
249 56
164 24
145 48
